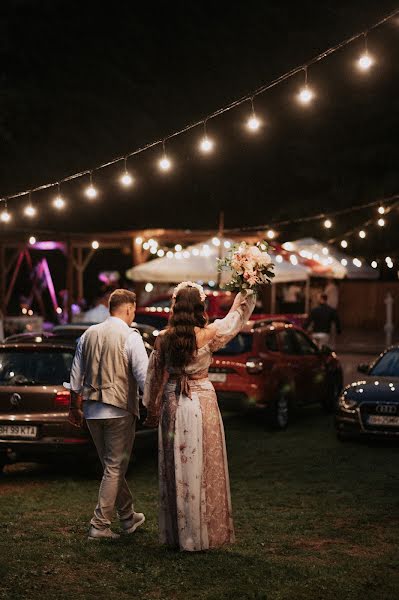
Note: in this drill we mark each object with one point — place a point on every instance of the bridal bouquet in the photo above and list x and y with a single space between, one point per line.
250 266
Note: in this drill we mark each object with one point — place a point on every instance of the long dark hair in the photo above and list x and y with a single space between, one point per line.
179 342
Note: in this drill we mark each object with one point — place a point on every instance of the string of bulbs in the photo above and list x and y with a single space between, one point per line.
305 96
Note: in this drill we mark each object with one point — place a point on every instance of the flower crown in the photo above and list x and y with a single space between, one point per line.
186 284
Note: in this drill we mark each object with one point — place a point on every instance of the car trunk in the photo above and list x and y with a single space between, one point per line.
31 399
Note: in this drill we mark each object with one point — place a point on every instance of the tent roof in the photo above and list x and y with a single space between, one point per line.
198 263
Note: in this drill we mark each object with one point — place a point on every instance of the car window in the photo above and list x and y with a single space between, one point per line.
238 345
305 346
270 341
288 345
388 365
34 367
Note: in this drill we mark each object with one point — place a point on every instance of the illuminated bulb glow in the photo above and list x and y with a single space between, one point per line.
293 259
381 222
344 244
5 216
59 203
216 241
357 262
59 310
126 179
344 262
165 164
95 245
362 234
161 253
91 191
365 62
30 211
149 287
253 123
206 145
288 246
153 249
381 210
374 264
32 240
325 251
178 248
279 258
195 252
169 254
305 95
139 240
146 245
271 234
226 244
327 224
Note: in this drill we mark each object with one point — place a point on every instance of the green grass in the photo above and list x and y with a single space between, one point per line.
315 519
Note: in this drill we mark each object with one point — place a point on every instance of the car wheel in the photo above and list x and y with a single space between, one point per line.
330 398
280 411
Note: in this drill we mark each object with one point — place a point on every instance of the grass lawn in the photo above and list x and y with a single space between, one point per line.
315 519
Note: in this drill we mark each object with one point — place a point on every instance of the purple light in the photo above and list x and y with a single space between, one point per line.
49 246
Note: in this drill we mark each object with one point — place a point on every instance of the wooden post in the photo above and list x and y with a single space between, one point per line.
3 307
69 279
80 273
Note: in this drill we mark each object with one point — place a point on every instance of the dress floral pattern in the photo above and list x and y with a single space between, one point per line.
195 505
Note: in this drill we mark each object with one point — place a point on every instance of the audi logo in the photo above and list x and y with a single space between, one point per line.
15 400
386 409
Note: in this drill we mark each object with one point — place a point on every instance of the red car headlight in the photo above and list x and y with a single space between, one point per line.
254 366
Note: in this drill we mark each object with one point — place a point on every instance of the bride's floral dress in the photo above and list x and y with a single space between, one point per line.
195 504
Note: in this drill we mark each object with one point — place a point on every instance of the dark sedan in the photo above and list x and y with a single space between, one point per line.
370 407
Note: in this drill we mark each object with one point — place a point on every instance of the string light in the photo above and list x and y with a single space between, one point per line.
216 241
374 264
306 94
178 247
164 163
381 222
153 249
146 246
365 61
206 144
362 234
126 179
32 240
5 216
381 210
253 122
149 287
139 240
59 202
161 253
344 262
95 245
30 210
328 224
271 234
169 254
91 191
357 262
344 244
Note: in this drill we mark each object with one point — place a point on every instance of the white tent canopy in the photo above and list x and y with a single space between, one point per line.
338 264
199 263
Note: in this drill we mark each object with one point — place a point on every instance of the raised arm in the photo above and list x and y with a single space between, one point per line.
227 328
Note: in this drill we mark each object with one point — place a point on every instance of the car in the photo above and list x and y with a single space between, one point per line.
370 407
275 367
34 404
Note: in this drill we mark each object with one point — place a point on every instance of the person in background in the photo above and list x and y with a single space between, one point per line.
99 313
321 320
331 291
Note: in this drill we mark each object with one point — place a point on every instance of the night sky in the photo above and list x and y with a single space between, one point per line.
80 85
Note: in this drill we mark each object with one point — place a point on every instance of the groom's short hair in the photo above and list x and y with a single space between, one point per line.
119 297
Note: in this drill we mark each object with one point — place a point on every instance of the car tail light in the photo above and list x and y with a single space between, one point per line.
62 399
254 366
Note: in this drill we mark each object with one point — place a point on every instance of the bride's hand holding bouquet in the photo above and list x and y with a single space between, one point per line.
250 266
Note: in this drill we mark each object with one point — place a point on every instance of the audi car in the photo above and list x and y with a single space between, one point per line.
370 407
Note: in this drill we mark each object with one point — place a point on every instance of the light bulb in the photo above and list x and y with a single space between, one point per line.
381 210
152 242
327 224
365 62
59 202
149 287
178 248
362 234
325 251
216 241
279 258
388 259
91 191
30 210
305 95
357 262
165 164
32 240
206 145
169 254
381 222
253 123
344 262
146 245
126 179
374 264
226 244
161 253
344 244
5 216
153 249
271 234
95 245
139 240
59 310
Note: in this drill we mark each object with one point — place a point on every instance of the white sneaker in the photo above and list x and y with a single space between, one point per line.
130 525
102 534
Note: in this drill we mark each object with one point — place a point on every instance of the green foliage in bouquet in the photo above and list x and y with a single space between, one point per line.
250 266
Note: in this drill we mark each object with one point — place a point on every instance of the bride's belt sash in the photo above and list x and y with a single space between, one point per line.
184 381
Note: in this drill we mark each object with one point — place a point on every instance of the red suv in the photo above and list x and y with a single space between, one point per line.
275 366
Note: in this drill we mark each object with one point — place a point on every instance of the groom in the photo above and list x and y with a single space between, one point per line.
110 361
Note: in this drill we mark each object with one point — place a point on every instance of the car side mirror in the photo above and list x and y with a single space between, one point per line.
363 368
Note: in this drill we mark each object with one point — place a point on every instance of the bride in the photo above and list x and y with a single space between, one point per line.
195 504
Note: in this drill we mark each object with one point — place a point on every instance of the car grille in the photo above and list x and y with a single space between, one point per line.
221 370
370 408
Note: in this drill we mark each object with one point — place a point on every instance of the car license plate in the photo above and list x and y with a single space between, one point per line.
18 431
217 377
383 420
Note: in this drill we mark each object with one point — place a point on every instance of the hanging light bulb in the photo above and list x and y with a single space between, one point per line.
5 216
126 179
164 163
91 191
161 253
362 234
381 222
381 210
374 264
365 60
206 144
178 248
59 202
253 122
306 94
30 210
344 244
95 245
139 240
357 262
344 262
327 224
271 234
32 240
